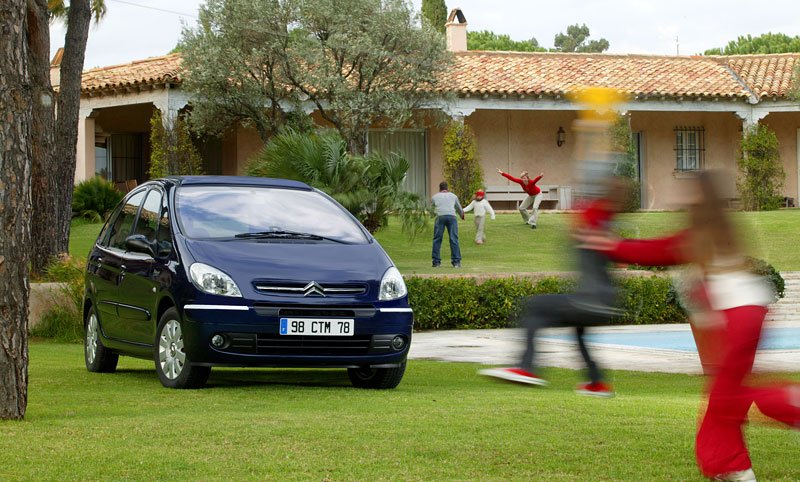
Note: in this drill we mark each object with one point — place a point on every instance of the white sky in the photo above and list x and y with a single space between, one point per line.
137 29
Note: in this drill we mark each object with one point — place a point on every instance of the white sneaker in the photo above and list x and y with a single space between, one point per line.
741 475
512 374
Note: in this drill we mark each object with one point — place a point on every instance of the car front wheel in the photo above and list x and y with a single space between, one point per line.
98 358
380 378
174 368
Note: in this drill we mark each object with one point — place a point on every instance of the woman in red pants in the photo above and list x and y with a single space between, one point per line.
741 297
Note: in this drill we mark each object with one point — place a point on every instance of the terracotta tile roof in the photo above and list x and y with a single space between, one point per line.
155 70
552 74
549 74
766 75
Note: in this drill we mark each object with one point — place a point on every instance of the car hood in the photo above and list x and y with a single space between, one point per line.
248 260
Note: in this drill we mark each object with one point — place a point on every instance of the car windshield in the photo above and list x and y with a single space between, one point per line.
253 212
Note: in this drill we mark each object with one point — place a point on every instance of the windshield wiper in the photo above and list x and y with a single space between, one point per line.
283 234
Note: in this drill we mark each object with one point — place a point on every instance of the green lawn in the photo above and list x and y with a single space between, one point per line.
442 423
513 247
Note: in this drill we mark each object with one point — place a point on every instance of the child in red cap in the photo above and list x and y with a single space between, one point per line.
481 206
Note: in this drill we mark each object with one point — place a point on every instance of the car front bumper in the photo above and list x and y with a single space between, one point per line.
251 336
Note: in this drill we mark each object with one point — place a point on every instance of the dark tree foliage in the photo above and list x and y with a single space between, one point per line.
487 40
769 43
435 13
575 40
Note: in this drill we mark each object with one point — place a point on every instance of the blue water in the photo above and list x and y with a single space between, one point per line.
772 339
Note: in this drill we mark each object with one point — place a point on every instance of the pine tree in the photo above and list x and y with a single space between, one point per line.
435 12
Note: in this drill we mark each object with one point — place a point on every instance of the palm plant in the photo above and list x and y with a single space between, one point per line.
370 186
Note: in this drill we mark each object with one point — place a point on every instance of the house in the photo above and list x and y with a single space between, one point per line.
686 113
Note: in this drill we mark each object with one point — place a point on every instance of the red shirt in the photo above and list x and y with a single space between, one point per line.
595 214
665 251
531 188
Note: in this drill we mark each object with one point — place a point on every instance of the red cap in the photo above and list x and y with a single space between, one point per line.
479 193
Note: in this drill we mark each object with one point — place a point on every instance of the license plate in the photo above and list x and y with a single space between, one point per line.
317 326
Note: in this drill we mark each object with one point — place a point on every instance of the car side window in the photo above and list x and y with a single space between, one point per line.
147 222
102 239
164 235
123 225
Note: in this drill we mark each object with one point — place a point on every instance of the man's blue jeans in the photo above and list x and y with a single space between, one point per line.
451 223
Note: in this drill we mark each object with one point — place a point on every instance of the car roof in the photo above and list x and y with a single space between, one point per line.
238 181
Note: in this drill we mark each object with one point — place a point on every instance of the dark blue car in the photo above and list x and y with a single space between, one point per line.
195 272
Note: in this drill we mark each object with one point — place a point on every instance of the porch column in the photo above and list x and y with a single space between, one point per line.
458 113
84 156
170 103
750 117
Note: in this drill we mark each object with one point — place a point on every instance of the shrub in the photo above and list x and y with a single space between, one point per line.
65 268
173 152
94 198
761 173
622 145
370 186
465 303
462 171
761 267
64 322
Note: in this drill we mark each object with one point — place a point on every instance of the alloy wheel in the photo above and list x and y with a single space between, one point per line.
171 356
91 338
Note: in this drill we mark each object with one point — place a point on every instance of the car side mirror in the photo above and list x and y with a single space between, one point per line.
137 243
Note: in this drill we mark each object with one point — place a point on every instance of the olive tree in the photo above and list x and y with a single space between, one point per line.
233 61
356 62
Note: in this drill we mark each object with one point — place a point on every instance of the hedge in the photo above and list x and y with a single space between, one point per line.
468 303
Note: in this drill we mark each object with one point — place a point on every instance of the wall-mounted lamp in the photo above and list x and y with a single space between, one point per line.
560 135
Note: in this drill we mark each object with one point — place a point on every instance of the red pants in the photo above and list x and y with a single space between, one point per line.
720 441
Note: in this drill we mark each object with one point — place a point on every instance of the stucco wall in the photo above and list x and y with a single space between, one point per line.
248 143
514 141
663 185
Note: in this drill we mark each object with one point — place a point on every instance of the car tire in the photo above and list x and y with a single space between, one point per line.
174 368
377 378
98 358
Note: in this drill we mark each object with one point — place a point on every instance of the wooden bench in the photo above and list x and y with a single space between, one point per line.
559 196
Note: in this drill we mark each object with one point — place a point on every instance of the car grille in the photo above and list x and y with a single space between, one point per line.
274 344
310 288
317 311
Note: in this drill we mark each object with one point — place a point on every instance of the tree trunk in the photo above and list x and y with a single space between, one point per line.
69 98
44 239
15 209
357 143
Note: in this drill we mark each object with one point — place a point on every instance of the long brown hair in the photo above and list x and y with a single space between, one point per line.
712 233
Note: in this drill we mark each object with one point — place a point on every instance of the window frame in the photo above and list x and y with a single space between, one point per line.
690 148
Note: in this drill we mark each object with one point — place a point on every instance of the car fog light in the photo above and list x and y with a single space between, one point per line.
217 340
398 342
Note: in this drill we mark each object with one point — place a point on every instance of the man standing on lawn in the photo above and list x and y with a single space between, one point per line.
534 196
446 205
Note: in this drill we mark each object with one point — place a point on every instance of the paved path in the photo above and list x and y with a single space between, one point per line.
503 346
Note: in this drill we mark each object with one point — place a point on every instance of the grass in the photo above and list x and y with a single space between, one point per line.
442 423
82 236
512 247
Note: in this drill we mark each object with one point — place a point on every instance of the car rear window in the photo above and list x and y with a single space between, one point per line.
228 211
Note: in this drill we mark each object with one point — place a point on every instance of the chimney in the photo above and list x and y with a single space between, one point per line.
55 67
456 31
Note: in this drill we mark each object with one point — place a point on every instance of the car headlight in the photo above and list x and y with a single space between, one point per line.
211 280
392 285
